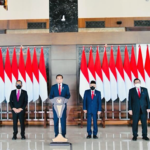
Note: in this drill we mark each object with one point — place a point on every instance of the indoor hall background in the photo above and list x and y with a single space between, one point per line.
65 59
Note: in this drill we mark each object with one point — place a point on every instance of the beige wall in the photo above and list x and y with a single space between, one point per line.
113 8
39 9
25 9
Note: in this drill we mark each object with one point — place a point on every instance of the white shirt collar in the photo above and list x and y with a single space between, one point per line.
59 84
92 90
138 88
17 91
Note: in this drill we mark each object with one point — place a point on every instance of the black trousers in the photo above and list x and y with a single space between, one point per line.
21 117
136 117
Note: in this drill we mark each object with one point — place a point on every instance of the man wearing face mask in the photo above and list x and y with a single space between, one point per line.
139 106
18 103
92 106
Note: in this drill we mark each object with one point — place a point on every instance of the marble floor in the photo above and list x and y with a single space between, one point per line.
110 138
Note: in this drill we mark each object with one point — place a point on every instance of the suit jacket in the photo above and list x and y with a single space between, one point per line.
135 102
23 100
92 105
64 92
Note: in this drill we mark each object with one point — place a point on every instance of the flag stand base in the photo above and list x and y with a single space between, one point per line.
59 138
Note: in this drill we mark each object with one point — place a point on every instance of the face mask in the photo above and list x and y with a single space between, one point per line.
18 86
92 87
137 85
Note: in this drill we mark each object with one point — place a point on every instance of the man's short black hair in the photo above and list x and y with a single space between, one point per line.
93 82
59 75
18 81
136 79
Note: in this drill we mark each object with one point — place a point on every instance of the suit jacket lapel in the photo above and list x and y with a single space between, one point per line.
136 93
16 95
57 89
94 95
20 95
141 92
90 95
62 90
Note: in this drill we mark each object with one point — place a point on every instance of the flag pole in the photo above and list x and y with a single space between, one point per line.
127 109
105 109
112 109
7 112
35 111
1 111
28 112
119 109
42 110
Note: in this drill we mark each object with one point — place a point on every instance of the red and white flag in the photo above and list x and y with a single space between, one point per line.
140 68
35 69
8 77
91 69
98 73
2 79
106 77
127 72
84 77
14 70
133 66
120 77
29 76
147 70
42 77
113 76
21 68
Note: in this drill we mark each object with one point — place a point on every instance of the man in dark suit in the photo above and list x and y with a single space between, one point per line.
62 90
139 106
18 103
92 106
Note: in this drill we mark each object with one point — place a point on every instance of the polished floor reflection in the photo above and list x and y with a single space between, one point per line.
110 138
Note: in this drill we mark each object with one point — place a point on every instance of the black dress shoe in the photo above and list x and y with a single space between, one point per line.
88 137
95 137
134 138
23 138
14 138
145 138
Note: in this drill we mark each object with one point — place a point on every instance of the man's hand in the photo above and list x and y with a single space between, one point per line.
19 110
15 110
99 112
148 110
130 112
85 111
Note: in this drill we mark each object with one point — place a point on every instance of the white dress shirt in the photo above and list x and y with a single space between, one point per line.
93 91
60 86
139 89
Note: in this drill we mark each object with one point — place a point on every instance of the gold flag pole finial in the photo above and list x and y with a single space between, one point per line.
6 4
